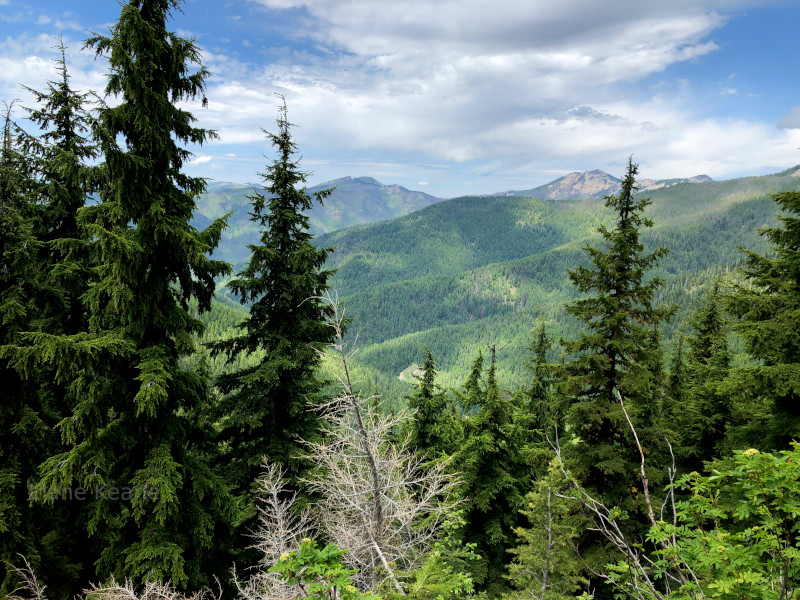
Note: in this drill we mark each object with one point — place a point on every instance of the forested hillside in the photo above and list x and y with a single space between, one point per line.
354 200
469 272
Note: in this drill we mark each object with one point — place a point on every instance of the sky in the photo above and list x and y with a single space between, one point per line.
458 97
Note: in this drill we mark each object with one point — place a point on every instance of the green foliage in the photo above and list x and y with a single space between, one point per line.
766 309
264 410
492 463
319 572
136 419
736 532
615 350
467 272
707 412
24 431
444 573
431 431
545 565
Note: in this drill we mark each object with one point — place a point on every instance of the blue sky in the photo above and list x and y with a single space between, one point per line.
467 96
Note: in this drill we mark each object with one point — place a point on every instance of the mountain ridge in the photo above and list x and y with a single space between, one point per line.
354 201
472 272
594 184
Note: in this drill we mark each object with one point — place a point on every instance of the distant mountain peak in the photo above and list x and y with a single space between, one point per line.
368 181
595 184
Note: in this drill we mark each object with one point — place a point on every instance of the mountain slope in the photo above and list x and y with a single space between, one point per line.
595 184
355 200
469 272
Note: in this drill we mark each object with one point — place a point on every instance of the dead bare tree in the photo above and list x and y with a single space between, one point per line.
281 530
30 587
148 591
379 500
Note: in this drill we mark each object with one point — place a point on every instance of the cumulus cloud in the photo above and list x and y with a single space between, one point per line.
500 89
437 78
29 60
791 120
506 86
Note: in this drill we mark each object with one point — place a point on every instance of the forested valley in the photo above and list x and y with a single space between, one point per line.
493 397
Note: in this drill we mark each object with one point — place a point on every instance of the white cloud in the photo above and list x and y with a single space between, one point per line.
506 86
504 89
30 60
791 120
411 76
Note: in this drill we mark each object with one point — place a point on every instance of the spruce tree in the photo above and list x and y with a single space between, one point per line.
542 407
429 430
766 311
266 409
492 464
675 397
707 414
24 431
61 153
58 186
138 432
614 352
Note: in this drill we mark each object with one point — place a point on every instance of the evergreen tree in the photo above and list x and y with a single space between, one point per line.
58 186
266 409
615 350
61 154
675 398
138 433
545 565
24 432
708 410
766 309
429 430
540 394
492 465
540 408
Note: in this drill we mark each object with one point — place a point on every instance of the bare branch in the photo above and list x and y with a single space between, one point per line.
280 532
379 500
31 587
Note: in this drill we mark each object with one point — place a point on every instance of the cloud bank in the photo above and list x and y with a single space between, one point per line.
466 95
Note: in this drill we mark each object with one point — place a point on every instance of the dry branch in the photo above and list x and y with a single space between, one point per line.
379 499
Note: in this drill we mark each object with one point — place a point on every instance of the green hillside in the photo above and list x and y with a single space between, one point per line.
465 273
355 200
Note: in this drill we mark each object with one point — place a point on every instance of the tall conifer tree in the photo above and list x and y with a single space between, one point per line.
708 412
138 433
57 187
542 407
429 428
766 310
267 407
24 432
613 353
61 153
492 463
